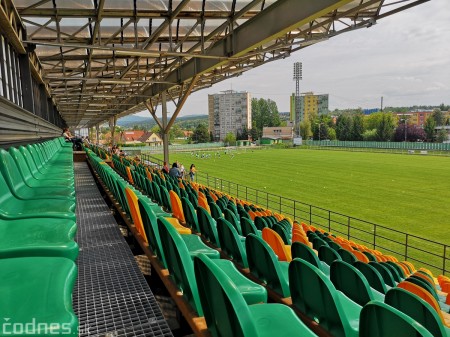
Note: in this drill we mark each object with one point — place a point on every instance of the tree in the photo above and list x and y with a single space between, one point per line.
412 133
357 127
305 129
331 134
438 116
201 134
430 125
264 113
441 136
320 131
370 135
344 126
243 135
230 139
385 129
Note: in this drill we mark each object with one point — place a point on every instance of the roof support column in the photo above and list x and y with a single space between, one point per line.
112 126
165 130
97 134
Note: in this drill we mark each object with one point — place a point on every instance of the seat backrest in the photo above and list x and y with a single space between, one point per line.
264 264
179 263
165 198
416 308
424 284
260 223
395 323
190 215
351 282
347 256
276 243
360 256
328 255
372 275
208 226
10 172
232 219
423 294
248 227
318 242
132 200
21 164
34 154
177 208
315 296
385 273
281 231
230 242
29 159
370 256
393 271
216 212
226 312
304 252
150 224
203 202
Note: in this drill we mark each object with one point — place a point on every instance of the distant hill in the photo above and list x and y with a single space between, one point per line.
184 122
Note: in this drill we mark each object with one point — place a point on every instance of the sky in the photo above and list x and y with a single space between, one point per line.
404 58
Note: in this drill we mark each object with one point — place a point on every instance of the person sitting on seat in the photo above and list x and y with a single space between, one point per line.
69 138
174 171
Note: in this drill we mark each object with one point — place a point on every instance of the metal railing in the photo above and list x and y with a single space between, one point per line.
404 246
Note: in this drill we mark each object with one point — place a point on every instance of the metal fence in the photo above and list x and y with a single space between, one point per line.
404 246
381 145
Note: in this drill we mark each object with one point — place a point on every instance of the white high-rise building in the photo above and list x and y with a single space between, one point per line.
230 111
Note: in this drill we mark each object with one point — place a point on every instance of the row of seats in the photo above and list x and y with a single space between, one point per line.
221 222
37 247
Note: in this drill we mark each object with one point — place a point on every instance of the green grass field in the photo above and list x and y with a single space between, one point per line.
404 192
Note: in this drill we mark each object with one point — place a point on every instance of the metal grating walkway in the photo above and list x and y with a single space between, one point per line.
111 297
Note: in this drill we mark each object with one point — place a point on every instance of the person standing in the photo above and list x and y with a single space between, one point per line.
174 171
192 171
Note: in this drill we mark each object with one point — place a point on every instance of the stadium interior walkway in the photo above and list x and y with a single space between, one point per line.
111 296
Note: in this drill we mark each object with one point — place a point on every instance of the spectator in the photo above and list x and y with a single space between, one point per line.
75 140
182 171
192 172
165 168
174 171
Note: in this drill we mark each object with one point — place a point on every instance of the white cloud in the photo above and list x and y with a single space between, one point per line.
404 57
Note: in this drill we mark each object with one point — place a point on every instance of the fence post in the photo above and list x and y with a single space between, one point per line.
267 200
329 221
374 236
406 247
444 259
348 228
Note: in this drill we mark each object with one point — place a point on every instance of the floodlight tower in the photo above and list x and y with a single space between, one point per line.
297 78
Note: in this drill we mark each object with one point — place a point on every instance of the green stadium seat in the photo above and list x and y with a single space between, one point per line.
36 292
280 229
20 190
264 264
227 313
381 320
181 269
32 181
260 223
38 237
385 273
248 227
190 215
304 252
233 220
370 256
231 242
208 226
353 283
372 275
418 309
318 242
216 212
328 255
314 295
347 256
393 270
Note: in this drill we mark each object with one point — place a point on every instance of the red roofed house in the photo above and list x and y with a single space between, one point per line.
131 137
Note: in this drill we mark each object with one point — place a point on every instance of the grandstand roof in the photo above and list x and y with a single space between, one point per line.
103 58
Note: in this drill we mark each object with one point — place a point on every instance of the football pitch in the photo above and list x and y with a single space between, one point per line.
409 193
